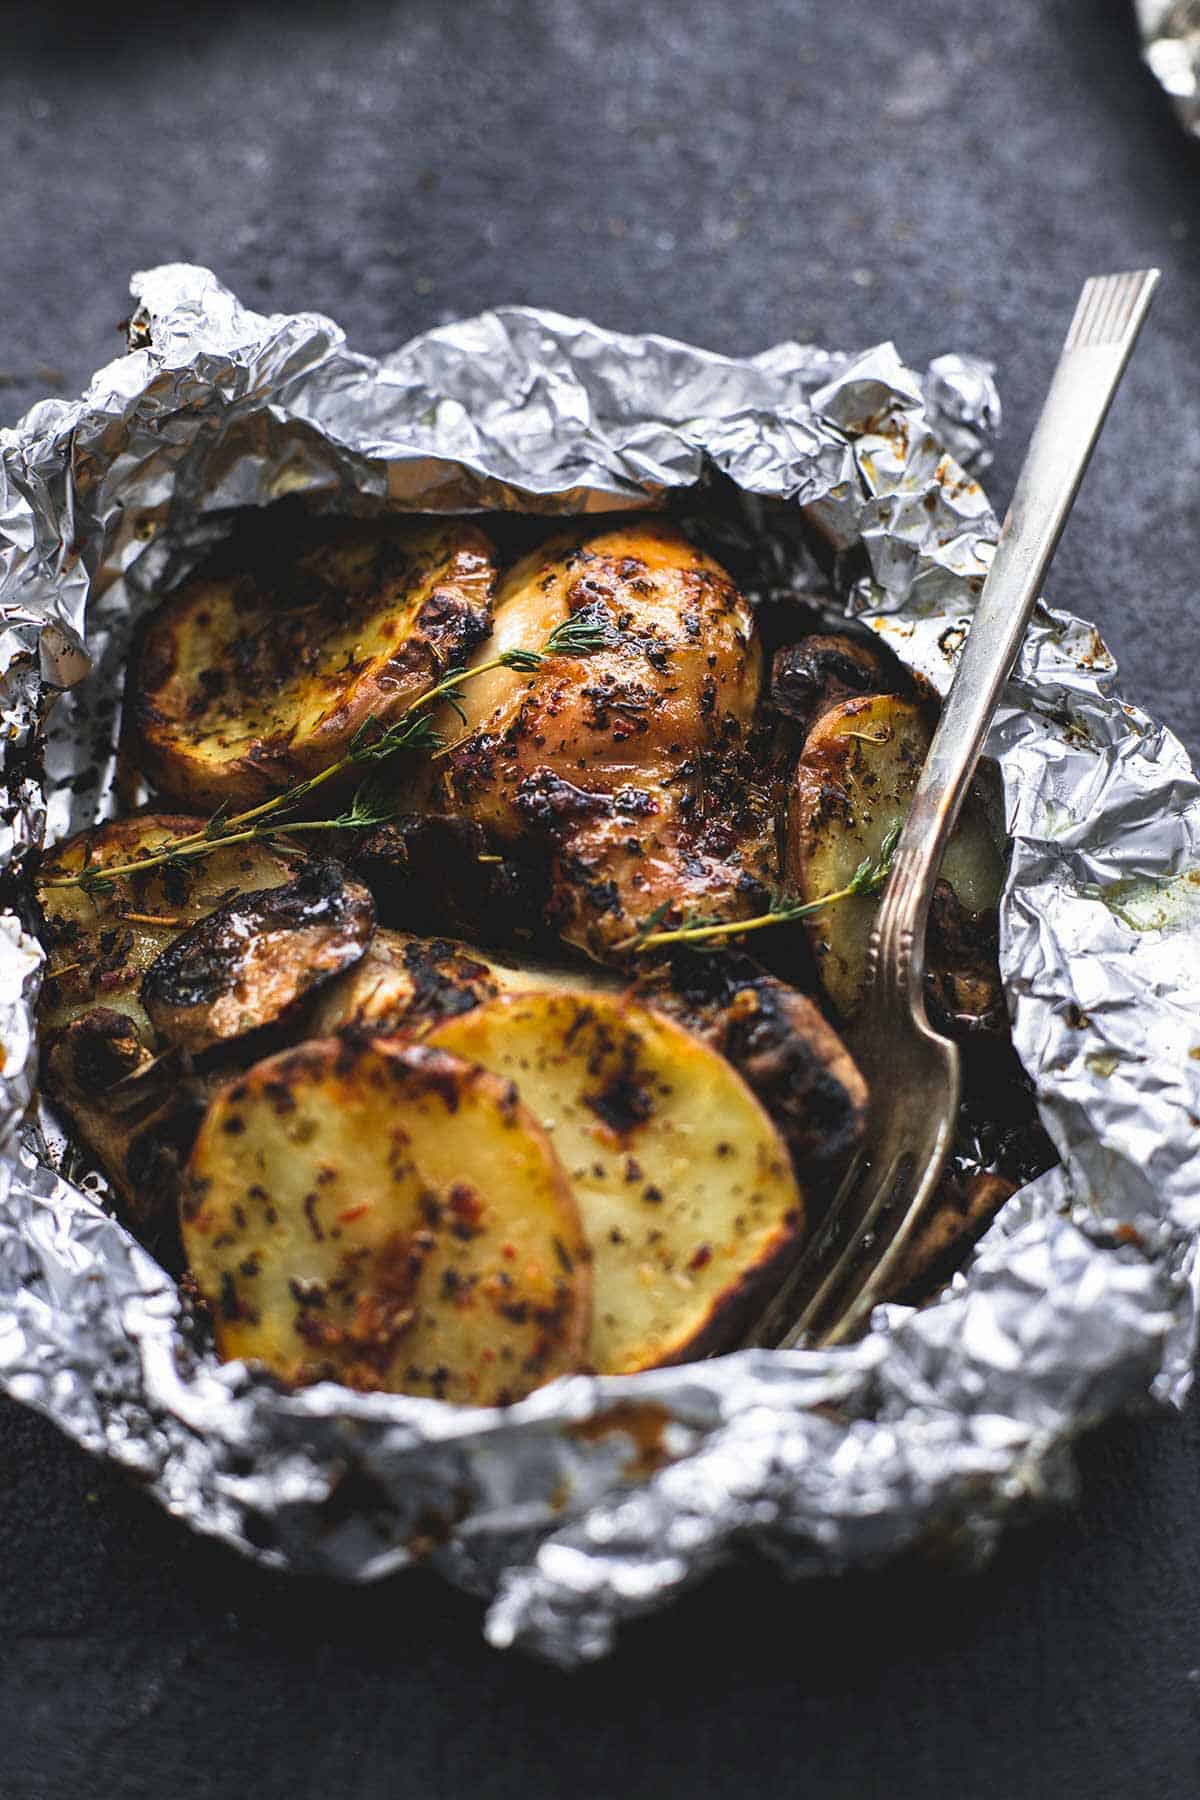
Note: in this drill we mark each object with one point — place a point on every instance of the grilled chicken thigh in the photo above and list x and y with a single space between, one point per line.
632 766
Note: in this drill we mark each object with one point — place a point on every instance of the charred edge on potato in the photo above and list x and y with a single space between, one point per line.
245 684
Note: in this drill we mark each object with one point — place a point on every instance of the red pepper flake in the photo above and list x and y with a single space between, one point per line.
354 1212
703 1255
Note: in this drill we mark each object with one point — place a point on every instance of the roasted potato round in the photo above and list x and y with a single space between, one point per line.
245 684
387 1217
686 1189
854 783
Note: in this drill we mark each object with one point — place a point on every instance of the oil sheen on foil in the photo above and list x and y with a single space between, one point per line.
595 1500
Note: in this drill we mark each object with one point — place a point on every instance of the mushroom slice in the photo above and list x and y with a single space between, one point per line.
254 959
685 1186
815 674
136 1114
100 943
404 980
246 683
389 1217
962 1211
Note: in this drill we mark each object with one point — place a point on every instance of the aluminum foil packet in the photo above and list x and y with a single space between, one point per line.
596 1499
1171 48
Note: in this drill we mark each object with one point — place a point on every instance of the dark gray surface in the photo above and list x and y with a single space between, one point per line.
944 174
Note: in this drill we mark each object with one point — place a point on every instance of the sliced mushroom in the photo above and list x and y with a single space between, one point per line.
135 1113
101 940
812 676
253 960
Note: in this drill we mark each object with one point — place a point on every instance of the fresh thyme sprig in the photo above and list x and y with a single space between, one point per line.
868 878
367 809
371 744
576 636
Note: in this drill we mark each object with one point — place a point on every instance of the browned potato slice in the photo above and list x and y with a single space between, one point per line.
245 685
99 946
783 1047
775 1037
686 1189
254 959
853 784
405 979
387 1217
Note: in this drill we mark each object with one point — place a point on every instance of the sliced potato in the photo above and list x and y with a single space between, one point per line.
776 1038
245 684
781 1044
387 1217
686 1189
853 784
100 945
252 961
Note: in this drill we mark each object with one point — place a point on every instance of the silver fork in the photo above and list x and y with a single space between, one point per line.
912 1072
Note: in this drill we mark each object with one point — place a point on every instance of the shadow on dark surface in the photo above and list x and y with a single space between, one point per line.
70 33
915 1681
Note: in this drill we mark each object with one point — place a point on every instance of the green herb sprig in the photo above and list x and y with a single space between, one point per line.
869 877
372 744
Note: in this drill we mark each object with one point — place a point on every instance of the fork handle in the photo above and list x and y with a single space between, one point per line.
1107 321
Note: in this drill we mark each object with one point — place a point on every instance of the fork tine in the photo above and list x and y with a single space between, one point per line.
897 1181
873 1271
884 1185
827 1240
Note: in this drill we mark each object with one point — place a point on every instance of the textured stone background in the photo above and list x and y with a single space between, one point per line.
943 174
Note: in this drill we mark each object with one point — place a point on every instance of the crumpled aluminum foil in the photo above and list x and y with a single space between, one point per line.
595 1500
1171 49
